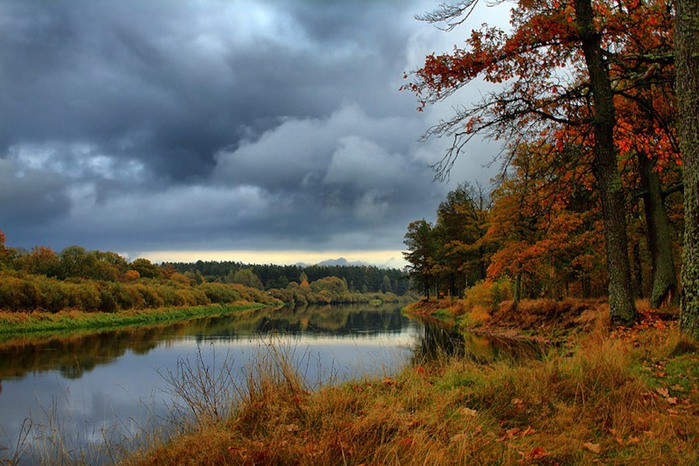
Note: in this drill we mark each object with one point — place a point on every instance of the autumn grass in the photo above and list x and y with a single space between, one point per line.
14 323
625 397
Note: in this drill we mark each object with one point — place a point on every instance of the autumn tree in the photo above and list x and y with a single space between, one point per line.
41 260
687 62
643 73
555 70
145 268
544 224
3 250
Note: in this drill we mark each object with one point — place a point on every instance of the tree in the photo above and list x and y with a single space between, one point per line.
386 284
587 40
40 261
544 228
248 278
303 279
3 250
687 62
76 262
145 268
461 225
421 255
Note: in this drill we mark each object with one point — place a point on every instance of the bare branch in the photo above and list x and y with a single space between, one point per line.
451 14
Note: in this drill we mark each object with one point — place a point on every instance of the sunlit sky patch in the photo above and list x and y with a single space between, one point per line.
379 258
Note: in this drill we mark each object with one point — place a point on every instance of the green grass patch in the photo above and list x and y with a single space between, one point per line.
40 322
443 314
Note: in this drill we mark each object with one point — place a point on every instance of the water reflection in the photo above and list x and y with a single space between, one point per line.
108 384
74 355
440 340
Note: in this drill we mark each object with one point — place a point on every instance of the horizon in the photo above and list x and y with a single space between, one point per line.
382 259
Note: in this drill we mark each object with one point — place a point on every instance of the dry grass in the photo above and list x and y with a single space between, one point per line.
598 400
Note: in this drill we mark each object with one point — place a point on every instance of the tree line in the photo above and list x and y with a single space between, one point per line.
598 104
359 278
104 281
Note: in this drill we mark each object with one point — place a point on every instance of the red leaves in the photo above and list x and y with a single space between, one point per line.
537 453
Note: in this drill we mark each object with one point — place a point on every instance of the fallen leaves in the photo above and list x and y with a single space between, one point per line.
468 411
593 447
516 432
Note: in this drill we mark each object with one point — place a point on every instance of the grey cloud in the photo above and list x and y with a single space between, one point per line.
185 79
158 124
30 198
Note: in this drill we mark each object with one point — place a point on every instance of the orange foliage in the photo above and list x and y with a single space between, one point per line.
131 275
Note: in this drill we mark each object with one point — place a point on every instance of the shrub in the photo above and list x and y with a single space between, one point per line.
107 301
86 297
150 296
220 293
488 294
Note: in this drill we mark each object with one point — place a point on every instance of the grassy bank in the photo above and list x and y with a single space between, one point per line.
619 397
37 322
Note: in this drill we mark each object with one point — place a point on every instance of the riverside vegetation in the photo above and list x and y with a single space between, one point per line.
41 290
629 395
621 397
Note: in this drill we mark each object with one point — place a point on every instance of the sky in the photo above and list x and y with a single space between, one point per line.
266 131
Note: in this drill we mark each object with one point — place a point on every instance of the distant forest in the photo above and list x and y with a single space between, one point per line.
359 278
78 279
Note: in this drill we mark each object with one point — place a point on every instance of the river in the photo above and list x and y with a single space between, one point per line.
84 396
72 392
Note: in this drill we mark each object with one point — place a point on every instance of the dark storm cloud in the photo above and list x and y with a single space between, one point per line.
210 124
30 195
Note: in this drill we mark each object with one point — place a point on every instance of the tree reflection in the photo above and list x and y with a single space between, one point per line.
74 355
440 341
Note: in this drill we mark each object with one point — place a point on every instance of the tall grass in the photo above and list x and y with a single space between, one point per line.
50 438
596 400
578 405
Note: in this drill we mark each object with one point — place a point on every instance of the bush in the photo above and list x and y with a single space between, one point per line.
220 293
488 294
150 296
86 297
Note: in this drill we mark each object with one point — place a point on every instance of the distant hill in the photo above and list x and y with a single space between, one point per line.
341 261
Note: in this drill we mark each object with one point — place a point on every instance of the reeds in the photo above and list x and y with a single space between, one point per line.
577 405
599 399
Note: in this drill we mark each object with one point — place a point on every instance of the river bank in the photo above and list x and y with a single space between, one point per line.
16 323
606 395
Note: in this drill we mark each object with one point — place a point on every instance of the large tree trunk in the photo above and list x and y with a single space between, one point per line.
664 286
687 63
517 291
637 274
621 302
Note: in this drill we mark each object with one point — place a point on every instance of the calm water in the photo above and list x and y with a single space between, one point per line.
113 384
70 393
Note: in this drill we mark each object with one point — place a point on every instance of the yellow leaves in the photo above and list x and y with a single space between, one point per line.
592 447
517 402
468 412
